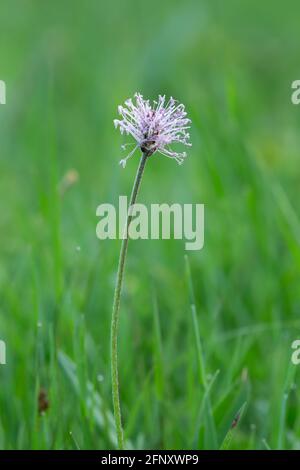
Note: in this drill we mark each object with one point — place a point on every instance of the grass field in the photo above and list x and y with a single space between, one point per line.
203 335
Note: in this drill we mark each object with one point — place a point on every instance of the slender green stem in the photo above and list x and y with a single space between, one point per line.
116 307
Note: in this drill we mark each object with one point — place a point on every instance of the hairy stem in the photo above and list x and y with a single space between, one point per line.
116 307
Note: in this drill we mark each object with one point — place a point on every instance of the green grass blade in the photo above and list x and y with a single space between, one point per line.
103 417
234 425
210 429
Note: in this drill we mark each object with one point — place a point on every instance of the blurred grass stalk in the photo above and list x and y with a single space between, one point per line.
116 307
211 432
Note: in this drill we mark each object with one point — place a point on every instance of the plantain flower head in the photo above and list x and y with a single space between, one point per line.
154 126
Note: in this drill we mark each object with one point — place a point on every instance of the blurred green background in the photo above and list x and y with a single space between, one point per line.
67 65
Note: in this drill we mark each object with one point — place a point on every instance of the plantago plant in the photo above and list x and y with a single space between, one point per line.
153 126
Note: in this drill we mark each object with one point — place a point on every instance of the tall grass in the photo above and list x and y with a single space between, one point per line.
189 358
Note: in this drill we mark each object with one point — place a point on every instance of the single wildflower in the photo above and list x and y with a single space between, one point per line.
154 126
